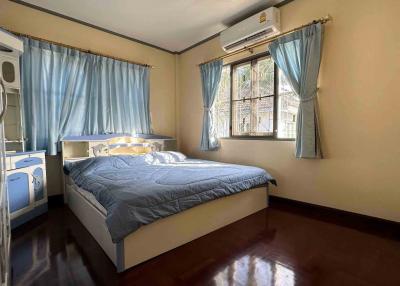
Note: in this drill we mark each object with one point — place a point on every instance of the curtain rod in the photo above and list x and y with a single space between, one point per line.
322 20
76 48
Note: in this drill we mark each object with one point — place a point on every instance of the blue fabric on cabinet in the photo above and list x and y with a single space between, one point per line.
210 77
68 92
298 55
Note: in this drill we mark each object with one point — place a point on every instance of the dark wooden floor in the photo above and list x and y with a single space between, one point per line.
282 245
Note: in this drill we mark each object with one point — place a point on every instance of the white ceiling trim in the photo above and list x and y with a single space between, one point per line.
173 33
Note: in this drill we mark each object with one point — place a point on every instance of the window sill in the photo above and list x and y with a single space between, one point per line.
257 138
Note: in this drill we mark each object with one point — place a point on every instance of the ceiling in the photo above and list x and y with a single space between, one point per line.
172 25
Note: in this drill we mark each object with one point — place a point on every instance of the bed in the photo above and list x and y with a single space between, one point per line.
137 207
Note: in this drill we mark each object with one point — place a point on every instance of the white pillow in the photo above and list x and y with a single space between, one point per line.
166 157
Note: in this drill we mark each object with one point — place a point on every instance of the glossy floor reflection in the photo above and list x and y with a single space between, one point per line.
278 246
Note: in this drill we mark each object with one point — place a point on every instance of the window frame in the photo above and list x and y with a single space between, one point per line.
274 135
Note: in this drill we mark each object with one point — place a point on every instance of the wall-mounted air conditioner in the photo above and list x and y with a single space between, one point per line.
10 50
252 30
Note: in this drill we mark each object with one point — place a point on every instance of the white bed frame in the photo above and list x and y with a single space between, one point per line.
167 233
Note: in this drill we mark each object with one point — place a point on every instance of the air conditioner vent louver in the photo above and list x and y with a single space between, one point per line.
250 40
252 30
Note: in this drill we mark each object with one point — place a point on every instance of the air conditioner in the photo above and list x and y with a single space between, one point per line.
10 49
252 30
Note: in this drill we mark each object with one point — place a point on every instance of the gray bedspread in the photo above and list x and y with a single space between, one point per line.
138 190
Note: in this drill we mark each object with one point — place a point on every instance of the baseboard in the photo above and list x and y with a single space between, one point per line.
364 223
55 201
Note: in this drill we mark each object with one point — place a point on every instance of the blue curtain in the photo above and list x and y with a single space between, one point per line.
68 92
298 55
210 77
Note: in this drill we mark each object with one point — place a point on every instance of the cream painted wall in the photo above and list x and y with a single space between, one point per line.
359 104
162 77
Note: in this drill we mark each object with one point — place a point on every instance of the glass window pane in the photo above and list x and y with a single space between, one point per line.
242 81
265 77
221 120
288 105
241 117
221 107
262 116
224 89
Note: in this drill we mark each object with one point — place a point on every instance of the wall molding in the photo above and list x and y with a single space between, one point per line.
369 224
89 25
372 225
276 3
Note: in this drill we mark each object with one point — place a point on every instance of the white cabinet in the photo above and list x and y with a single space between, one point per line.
10 75
10 49
26 184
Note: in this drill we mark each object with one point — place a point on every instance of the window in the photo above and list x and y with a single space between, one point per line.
221 107
288 105
254 100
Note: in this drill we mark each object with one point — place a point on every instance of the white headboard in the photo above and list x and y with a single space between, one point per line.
82 147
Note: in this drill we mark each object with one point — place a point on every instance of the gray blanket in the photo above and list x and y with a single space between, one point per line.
138 190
